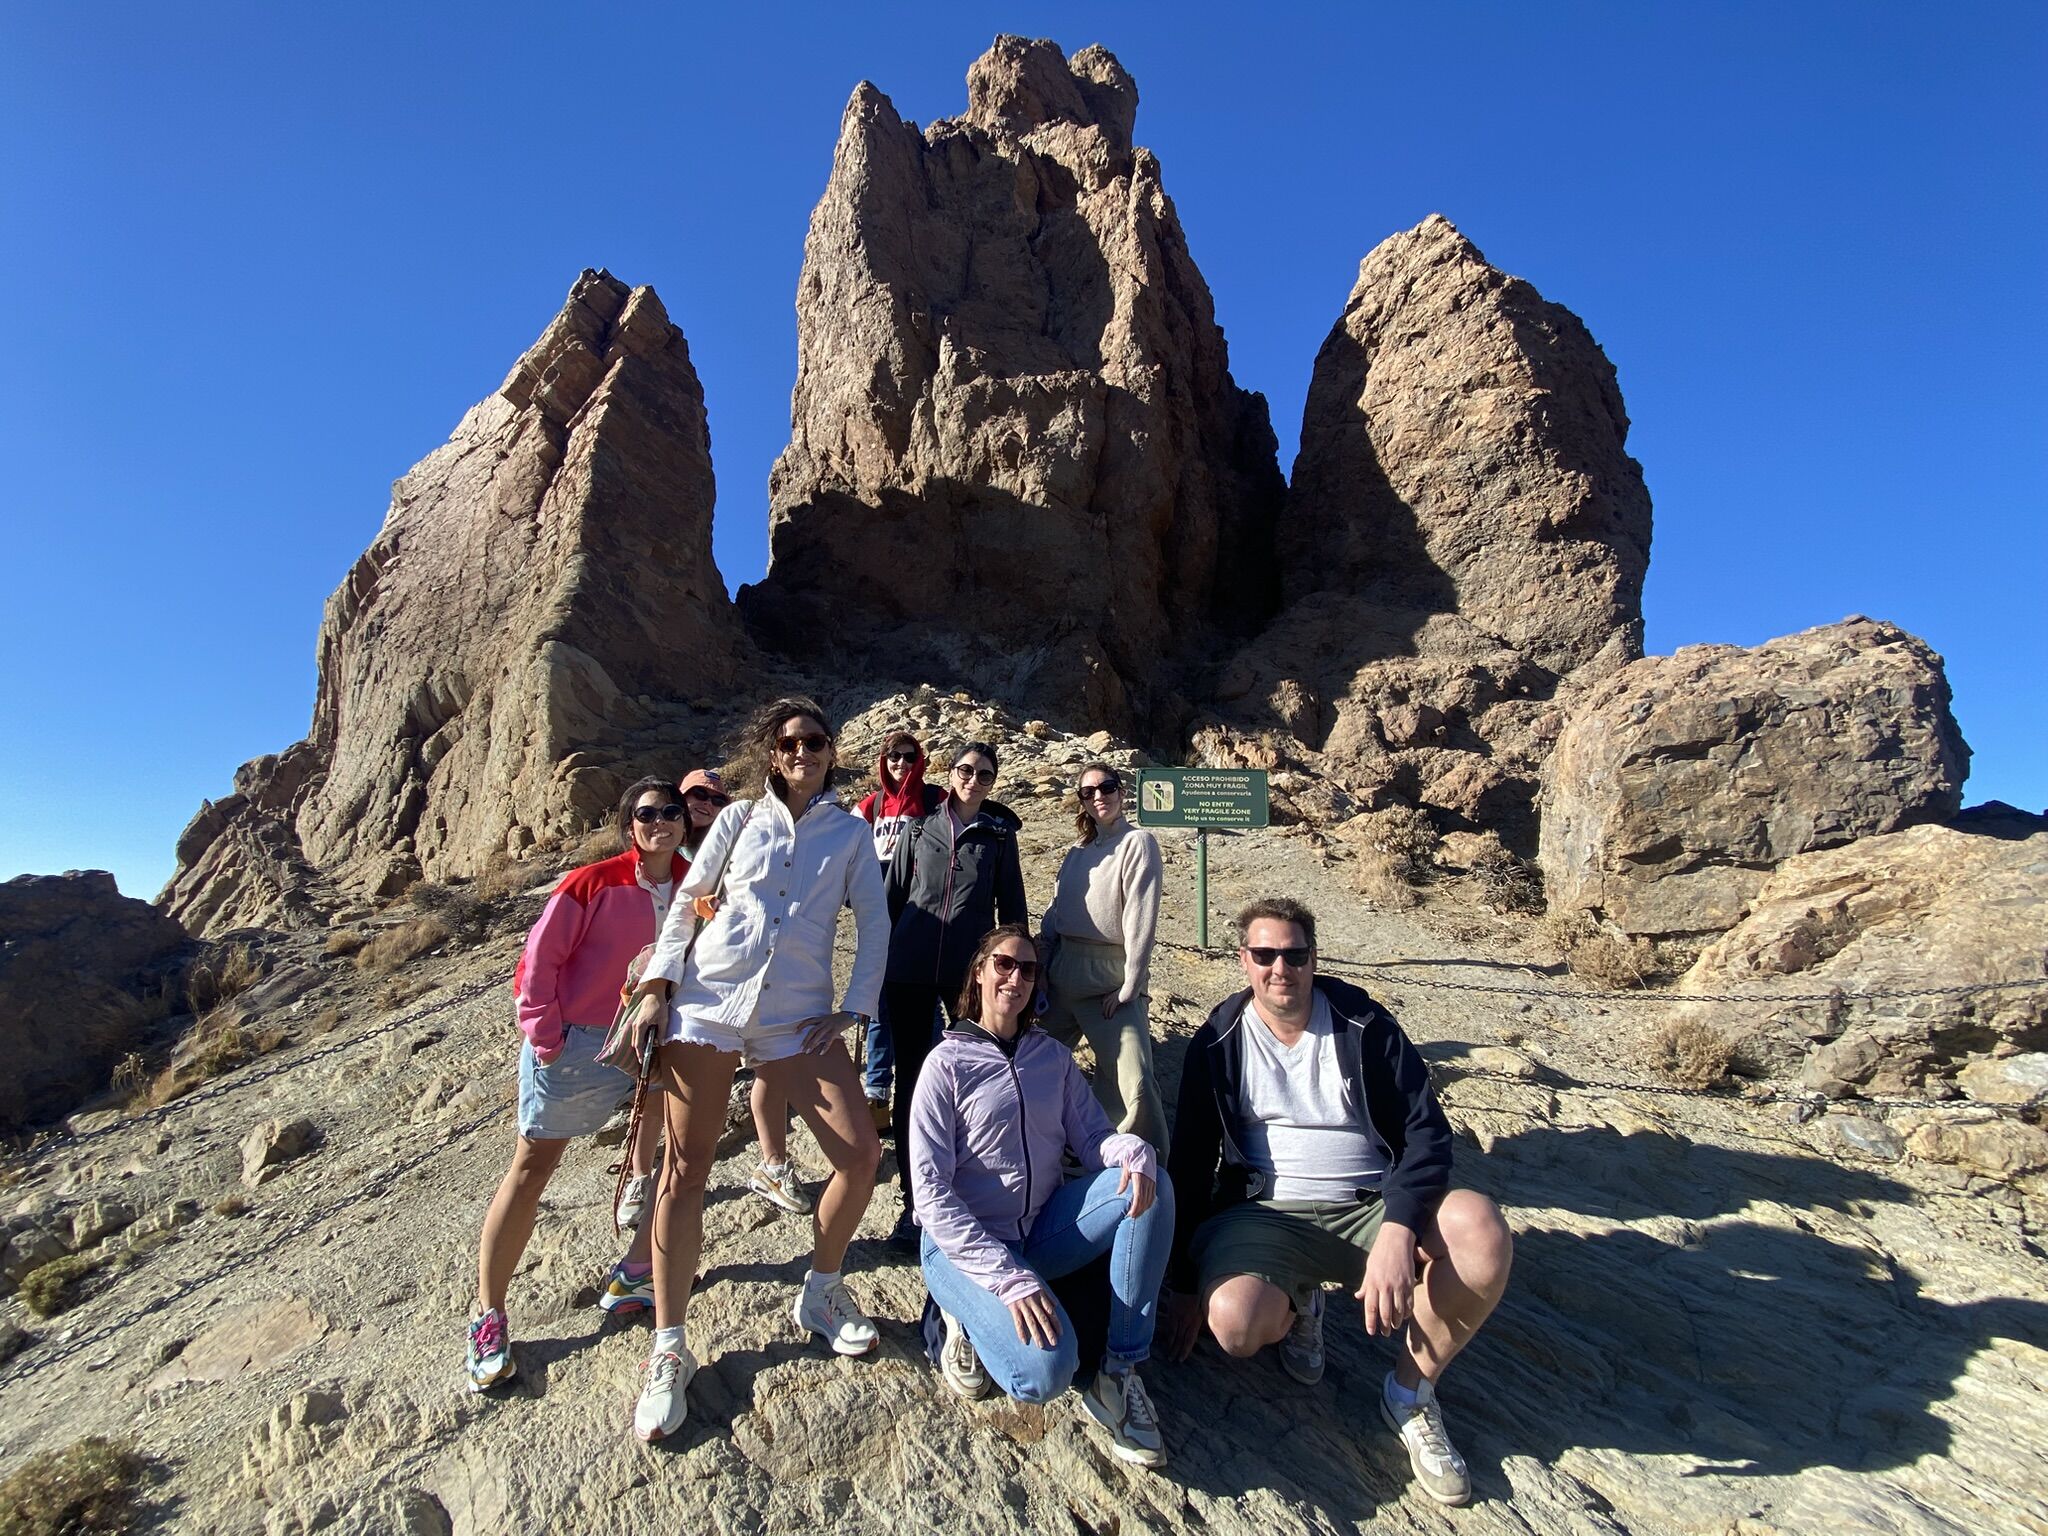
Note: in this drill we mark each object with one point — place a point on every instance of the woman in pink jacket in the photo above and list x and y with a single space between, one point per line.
567 985
997 1106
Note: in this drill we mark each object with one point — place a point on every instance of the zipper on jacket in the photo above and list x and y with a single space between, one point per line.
946 895
1024 1144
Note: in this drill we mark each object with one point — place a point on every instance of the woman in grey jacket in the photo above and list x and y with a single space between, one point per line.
955 874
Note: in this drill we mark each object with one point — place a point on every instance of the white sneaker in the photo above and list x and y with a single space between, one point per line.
958 1362
829 1311
1301 1352
634 1200
776 1183
662 1404
1438 1466
1117 1401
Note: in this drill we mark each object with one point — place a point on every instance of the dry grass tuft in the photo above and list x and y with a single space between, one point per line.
325 1022
343 942
506 877
1601 957
598 843
225 977
231 1204
90 1488
461 913
1693 1054
1379 880
395 946
400 990
47 1289
218 1043
130 1073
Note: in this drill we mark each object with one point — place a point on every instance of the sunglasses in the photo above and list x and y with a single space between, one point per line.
1296 955
813 742
648 815
902 757
709 796
1009 965
979 775
1106 787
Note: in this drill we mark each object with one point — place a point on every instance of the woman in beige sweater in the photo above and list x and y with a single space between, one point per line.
1096 944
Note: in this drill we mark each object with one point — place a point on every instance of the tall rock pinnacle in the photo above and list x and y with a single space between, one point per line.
486 669
1465 536
1014 418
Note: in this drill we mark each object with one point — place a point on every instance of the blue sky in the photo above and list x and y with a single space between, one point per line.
255 261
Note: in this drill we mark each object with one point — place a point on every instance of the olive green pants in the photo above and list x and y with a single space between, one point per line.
1126 1086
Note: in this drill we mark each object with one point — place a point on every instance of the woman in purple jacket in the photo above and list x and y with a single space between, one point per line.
998 1103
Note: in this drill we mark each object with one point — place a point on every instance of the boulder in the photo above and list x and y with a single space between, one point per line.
1017 454
1928 908
84 971
1465 539
1992 1146
100 1217
1678 784
497 661
271 1144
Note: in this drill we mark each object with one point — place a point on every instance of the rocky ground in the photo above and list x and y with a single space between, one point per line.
1723 1319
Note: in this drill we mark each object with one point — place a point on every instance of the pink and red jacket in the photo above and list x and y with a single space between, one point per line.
598 919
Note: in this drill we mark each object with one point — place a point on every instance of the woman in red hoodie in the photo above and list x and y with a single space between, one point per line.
567 984
903 798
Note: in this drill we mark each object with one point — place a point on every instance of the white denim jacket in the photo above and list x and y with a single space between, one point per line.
766 957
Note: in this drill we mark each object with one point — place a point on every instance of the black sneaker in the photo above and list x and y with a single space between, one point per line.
904 1234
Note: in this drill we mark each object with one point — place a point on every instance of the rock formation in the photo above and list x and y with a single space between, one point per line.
1016 448
1933 906
1683 780
541 592
82 974
1465 534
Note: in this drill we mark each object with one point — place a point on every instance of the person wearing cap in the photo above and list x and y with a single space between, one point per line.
904 798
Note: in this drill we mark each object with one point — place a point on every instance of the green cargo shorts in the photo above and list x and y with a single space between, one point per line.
1298 1245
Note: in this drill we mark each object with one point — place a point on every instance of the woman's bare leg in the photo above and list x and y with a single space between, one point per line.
771 1120
647 1135
508 1225
825 1089
697 1085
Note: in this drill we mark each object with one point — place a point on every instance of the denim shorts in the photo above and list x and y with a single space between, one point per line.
573 1095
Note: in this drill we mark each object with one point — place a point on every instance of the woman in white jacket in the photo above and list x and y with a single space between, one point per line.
757 987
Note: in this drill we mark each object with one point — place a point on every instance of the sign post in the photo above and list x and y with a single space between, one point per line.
1202 798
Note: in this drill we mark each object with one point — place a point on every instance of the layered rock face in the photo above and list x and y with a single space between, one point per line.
1933 906
1466 534
1683 780
81 968
1017 453
542 584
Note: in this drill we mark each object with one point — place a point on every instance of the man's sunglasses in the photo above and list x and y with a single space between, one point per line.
1106 787
813 742
648 815
1296 955
1009 965
709 796
979 775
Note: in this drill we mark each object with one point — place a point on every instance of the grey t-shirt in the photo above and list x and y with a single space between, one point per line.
1306 1133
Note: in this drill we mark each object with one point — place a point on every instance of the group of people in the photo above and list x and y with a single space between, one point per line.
1306 1150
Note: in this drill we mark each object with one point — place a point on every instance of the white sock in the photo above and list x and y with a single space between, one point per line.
1399 1396
817 1280
776 1171
669 1341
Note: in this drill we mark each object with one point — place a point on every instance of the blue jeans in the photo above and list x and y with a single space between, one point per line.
880 1062
1083 1219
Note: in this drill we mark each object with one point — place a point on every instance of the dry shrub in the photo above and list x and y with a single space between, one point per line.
598 843
1600 957
231 1204
1693 1054
400 991
218 1043
1506 883
325 1022
505 877
395 946
90 1488
459 911
223 978
130 1073
1407 838
47 1289
1379 880
343 942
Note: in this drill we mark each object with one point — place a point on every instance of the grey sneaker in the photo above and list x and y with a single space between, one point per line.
830 1312
776 1183
1438 1466
1116 1400
634 1200
958 1362
662 1404
1301 1352
490 1350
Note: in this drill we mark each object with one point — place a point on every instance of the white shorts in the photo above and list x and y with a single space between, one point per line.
754 1041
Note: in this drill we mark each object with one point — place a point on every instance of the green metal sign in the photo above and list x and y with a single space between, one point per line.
1202 797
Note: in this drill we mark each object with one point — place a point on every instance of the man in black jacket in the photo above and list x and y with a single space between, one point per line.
1309 1150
